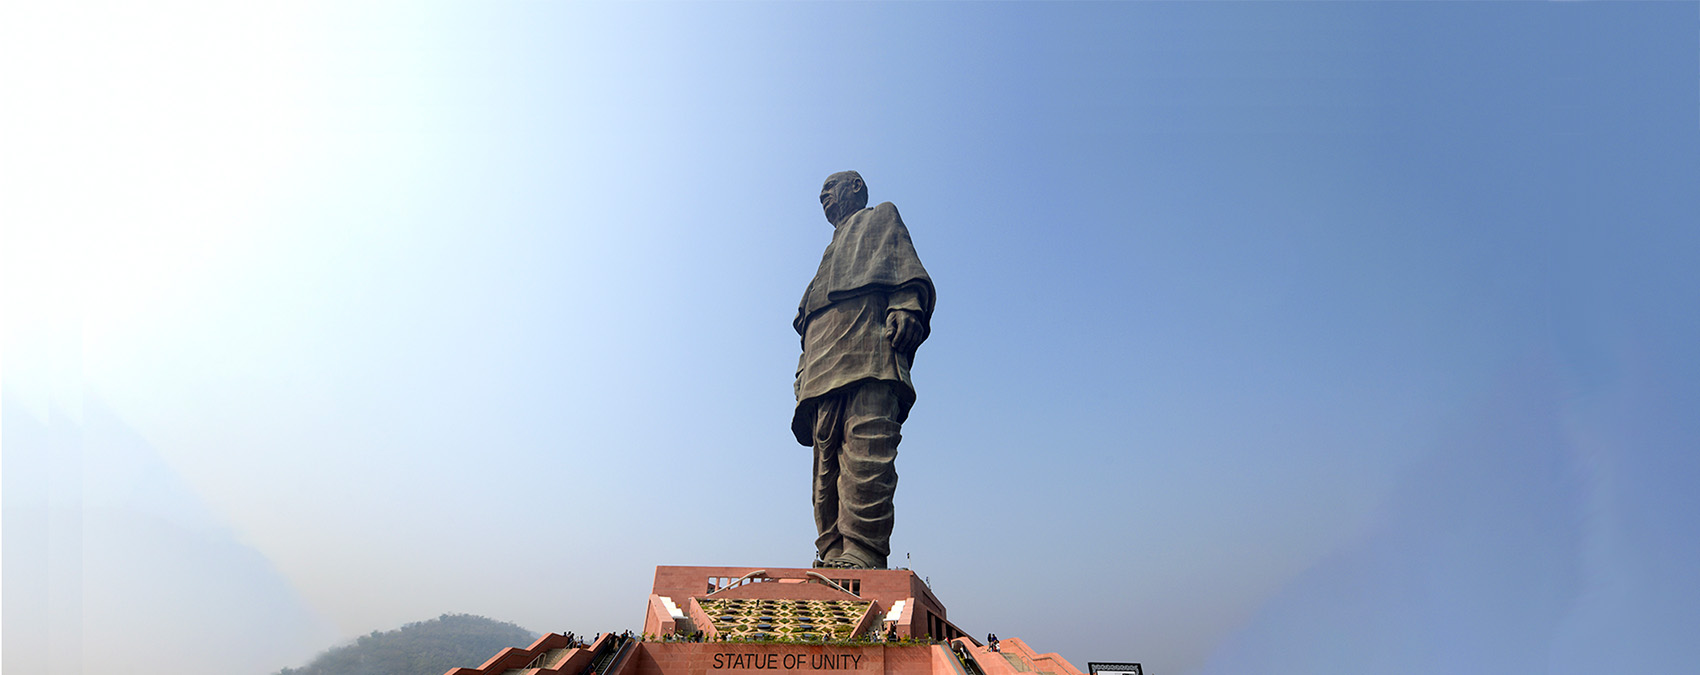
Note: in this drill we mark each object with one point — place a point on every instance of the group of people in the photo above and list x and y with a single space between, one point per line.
890 635
578 641
699 636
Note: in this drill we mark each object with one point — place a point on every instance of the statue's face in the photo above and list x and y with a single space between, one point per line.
842 195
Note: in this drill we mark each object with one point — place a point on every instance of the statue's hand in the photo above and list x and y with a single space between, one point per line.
904 330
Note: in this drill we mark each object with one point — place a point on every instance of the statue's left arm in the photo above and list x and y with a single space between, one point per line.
905 322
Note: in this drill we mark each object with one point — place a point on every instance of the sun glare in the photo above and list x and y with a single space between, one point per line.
144 142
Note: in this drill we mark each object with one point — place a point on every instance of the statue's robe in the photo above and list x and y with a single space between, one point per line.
853 389
869 269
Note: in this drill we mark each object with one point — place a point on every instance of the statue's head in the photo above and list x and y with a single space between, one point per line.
843 194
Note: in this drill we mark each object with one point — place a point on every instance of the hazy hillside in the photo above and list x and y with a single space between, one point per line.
111 556
423 648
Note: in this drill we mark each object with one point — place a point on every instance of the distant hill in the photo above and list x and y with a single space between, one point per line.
422 648
157 574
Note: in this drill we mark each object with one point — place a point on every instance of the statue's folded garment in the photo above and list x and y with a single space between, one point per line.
869 270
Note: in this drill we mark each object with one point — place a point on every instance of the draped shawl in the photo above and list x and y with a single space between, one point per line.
870 254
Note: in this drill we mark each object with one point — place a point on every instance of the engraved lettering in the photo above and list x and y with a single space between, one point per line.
793 661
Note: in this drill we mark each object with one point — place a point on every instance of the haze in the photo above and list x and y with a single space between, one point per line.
1276 338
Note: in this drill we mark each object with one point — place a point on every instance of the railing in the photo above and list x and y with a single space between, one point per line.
969 665
718 584
607 656
857 584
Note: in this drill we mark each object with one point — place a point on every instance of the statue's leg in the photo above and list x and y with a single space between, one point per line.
867 477
828 437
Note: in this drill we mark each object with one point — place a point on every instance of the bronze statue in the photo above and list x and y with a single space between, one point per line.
861 319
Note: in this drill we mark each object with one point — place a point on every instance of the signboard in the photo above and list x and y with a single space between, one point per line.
1105 668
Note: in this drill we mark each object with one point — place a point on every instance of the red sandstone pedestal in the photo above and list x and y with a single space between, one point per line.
782 621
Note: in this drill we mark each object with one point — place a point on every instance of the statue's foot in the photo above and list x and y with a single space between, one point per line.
849 561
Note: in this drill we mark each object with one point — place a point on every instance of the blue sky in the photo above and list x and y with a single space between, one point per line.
1304 337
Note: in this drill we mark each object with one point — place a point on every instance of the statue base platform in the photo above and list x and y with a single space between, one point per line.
797 621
